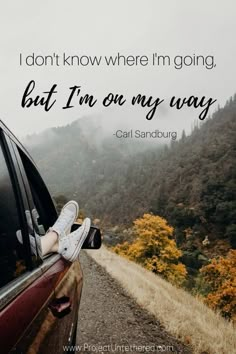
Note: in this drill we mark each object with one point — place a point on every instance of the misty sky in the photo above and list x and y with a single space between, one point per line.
105 27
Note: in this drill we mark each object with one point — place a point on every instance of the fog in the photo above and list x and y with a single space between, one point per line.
135 27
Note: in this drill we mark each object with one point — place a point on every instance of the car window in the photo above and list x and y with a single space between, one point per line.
43 212
12 262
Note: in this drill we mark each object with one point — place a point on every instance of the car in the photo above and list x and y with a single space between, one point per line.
39 299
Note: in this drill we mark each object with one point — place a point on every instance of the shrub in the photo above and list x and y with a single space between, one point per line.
220 275
154 248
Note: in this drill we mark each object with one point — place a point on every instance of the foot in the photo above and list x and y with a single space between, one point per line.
70 245
66 219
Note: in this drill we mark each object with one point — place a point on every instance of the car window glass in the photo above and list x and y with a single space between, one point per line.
43 213
12 262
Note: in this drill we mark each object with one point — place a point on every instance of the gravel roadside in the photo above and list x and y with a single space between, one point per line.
110 321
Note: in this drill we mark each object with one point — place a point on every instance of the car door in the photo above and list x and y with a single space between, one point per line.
40 307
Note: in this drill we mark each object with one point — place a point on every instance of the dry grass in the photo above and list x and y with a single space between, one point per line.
182 315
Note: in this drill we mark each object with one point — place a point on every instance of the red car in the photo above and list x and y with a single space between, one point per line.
39 300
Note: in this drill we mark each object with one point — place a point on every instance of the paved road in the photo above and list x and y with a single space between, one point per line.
111 322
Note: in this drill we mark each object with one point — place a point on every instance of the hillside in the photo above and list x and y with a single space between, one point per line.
191 183
196 187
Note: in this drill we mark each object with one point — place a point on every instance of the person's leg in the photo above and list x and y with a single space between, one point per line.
49 243
42 245
58 239
68 246
62 227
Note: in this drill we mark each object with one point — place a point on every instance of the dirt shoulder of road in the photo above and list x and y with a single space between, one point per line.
182 315
110 321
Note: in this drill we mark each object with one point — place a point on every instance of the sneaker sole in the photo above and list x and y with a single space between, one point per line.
86 225
77 211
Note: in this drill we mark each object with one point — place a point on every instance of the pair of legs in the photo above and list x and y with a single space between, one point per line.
59 238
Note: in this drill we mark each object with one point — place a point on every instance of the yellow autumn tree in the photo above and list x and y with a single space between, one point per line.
220 276
155 248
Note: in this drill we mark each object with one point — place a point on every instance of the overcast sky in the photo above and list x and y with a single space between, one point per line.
104 27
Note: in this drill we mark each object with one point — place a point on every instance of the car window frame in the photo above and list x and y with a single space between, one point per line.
21 201
34 270
46 196
20 204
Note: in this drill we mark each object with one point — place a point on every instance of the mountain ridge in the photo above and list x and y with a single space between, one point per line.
191 182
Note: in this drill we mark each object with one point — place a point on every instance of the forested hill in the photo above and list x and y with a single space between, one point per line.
191 183
196 186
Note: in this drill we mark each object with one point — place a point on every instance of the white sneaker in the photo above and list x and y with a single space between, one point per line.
70 245
66 219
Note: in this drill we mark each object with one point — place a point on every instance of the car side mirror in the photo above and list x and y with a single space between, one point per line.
93 240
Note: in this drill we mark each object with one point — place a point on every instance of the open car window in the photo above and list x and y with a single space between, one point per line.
43 210
12 255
